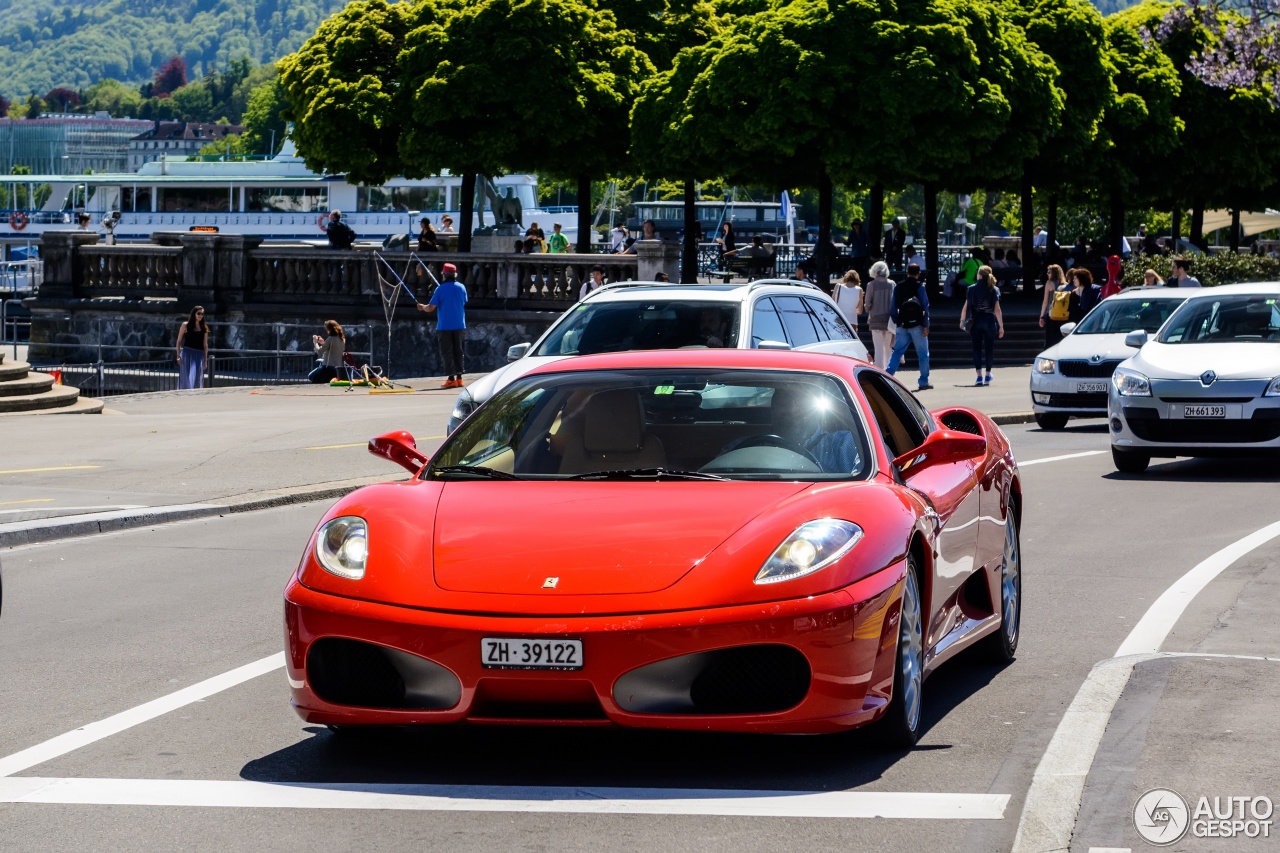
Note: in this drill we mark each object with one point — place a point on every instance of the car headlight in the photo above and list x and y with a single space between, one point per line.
1045 365
1131 383
1273 390
813 545
342 546
463 406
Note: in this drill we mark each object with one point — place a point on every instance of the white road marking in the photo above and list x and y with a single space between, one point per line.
1060 458
73 740
1053 801
476 798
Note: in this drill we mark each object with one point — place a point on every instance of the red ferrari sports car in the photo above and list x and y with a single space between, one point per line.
737 540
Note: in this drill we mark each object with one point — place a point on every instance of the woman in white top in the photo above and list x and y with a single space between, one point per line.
849 297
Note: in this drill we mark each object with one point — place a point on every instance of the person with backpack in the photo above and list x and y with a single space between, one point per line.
982 316
340 234
1055 307
910 310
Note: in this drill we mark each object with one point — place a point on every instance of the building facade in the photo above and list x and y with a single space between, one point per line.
175 139
68 144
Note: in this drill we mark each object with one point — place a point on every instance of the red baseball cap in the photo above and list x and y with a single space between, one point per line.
448 268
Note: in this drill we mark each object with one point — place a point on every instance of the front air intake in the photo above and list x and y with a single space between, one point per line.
742 680
351 672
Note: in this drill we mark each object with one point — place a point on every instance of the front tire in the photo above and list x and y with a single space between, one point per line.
1130 462
1002 646
901 723
1051 420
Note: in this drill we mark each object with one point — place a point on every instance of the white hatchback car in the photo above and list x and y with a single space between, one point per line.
1071 378
766 314
1207 385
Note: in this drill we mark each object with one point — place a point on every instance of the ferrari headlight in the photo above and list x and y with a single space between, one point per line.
1273 390
813 545
463 406
1045 365
1131 383
342 546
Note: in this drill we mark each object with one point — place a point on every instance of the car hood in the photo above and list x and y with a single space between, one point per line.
588 538
1229 360
489 384
1108 347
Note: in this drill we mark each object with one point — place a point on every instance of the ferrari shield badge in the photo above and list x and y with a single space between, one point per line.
550 583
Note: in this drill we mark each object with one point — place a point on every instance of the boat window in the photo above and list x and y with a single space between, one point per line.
287 199
197 199
400 198
132 200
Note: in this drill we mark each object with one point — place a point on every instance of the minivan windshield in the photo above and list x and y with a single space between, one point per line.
1122 316
614 326
1242 317
660 424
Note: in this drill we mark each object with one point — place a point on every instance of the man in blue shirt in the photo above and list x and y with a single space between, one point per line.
910 310
450 298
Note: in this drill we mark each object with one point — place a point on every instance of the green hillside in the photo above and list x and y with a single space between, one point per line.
73 43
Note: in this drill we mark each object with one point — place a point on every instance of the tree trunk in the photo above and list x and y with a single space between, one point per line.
466 211
1115 232
1051 226
689 252
822 252
1197 222
1175 230
1235 230
875 221
1027 215
931 239
584 214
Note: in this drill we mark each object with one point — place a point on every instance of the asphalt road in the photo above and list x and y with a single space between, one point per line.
103 625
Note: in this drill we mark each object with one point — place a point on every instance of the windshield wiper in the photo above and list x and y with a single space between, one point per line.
647 474
475 471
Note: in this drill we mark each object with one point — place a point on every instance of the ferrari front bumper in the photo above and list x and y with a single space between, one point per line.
817 664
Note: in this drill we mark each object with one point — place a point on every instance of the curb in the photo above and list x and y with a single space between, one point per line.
87 524
1013 418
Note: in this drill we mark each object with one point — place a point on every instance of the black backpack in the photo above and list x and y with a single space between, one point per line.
910 313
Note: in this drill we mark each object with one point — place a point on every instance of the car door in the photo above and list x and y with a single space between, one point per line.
951 488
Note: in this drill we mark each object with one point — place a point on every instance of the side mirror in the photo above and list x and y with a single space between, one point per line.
1136 339
400 448
940 448
1068 328
518 351
773 345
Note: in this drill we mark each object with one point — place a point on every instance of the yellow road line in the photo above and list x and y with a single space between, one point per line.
28 501
60 468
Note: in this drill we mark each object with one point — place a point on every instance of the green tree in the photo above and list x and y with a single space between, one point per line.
114 97
193 102
264 118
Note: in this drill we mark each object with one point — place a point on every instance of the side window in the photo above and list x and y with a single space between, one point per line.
830 320
914 407
798 321
765 325
899 428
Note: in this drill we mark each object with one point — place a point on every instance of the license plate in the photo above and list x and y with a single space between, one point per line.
1204 411
1091 387
522 653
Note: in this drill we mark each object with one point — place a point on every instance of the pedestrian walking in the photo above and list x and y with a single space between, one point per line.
329 350
848 297
193 349
557 243
910 312
1084 294
450 299
982 316
968 273
879 304
1055 304
1181 274
427 237
594 283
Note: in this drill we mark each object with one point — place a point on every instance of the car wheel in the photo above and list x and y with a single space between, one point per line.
902 720
1129 462
1050 420
1002 646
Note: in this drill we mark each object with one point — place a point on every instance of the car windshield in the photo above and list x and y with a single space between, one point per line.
1240 317
1121 316
614 326
661 424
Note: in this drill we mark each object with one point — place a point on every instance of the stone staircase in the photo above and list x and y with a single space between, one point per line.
22 391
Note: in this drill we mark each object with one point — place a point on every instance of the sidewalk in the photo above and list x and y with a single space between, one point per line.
151 458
